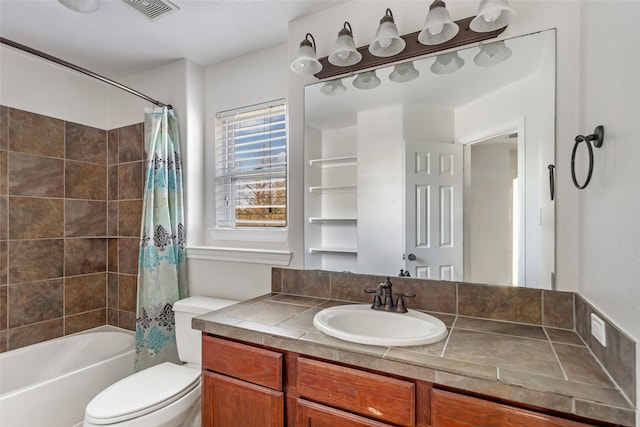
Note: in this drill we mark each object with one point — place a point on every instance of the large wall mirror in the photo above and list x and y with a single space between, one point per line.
438 167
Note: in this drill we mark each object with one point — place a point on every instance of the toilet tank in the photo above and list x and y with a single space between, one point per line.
189 341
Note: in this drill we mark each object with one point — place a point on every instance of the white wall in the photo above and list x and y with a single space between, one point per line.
380 176
492 167
608 214
247 80
32 84
179 83
509 107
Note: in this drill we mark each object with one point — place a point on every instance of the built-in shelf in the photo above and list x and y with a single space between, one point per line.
334 162
333 250
333 189
320 220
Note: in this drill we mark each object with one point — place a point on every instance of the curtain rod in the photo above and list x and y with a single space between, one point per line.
81 70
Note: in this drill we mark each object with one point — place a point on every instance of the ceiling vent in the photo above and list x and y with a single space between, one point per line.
153 9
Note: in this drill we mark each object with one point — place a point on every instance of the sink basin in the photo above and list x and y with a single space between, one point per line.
360 324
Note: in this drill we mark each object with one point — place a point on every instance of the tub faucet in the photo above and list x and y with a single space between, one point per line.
384 291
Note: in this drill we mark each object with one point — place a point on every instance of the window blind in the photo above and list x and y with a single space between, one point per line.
251 167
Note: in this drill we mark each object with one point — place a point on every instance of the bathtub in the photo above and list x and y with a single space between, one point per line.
49 384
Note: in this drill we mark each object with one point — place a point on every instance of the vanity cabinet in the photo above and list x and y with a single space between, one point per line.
241 385
247 385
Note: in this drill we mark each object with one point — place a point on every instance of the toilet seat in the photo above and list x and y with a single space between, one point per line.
142 393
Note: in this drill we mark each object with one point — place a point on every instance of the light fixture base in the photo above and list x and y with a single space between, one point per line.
413 49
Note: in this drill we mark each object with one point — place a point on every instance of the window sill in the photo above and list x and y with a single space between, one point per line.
254 256
250 234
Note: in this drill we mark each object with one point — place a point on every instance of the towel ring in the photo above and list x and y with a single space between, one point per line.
597 137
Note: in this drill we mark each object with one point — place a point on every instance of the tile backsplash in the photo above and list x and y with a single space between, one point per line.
557 311
70 203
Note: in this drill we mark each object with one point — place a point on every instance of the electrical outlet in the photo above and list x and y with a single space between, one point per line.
598 329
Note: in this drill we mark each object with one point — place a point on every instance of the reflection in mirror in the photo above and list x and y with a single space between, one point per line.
437 167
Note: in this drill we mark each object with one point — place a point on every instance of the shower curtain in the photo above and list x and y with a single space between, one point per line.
161 263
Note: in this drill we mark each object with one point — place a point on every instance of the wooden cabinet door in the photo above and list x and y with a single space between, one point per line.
457 410
227 402
309 414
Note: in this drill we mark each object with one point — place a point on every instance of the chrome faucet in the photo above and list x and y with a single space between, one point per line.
384 291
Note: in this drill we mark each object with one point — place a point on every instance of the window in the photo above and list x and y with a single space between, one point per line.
251 167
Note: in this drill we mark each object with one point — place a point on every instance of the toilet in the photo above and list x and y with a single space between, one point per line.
163 395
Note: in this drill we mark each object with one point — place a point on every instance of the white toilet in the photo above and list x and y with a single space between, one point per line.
163 395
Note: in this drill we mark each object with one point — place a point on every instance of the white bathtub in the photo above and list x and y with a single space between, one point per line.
49 384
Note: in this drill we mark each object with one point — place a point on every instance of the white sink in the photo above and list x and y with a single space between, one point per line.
360 324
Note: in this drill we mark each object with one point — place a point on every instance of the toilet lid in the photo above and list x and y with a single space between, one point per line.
142 393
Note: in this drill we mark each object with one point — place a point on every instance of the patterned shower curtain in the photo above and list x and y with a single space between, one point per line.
161 263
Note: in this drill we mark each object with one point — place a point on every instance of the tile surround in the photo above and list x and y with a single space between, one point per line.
35 134
532 317
35 176
618 357
61 257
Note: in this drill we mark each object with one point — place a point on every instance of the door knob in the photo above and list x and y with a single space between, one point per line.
411 257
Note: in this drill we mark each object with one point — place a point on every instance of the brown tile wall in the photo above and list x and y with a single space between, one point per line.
125 177
68 260
554 309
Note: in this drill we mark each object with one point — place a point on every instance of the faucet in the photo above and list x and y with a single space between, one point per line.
384 291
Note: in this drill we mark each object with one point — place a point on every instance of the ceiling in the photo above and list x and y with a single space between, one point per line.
118 41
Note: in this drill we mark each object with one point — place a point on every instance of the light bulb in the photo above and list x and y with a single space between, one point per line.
384 42
492 16
343 54
436 29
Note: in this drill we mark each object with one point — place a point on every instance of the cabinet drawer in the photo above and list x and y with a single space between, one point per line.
457 410
252 364
371 395
311 414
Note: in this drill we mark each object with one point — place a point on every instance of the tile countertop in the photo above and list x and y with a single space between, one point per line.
540 366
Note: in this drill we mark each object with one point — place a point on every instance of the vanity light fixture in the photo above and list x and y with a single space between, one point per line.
438 26
306 61
447 63
492 54
387 42
439 34
333 88
82 6
345 52
366 80
492 15
404 72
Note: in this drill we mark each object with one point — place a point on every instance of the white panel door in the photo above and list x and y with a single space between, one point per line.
433 210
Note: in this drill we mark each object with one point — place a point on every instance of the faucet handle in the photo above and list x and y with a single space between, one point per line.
377 302
400 306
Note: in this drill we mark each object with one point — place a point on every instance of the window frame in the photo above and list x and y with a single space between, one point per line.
248 233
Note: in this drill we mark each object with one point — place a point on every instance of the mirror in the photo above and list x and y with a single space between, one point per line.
437 167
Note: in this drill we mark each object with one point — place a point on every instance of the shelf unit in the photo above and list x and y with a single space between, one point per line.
334 189
334 162
321 220
353 251
334 221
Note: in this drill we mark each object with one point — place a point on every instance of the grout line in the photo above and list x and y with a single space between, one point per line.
446 343
553 349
